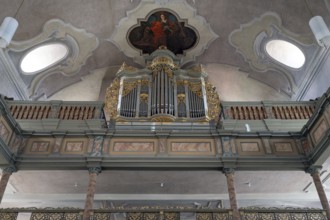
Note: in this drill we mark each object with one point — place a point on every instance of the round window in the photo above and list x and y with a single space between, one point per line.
43 57
285 53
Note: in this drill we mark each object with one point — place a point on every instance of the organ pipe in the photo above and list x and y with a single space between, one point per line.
163 93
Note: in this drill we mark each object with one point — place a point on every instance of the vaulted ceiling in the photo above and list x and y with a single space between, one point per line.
231 58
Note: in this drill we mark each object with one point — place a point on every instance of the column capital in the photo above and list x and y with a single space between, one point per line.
9 170
227 171
96 170
313 170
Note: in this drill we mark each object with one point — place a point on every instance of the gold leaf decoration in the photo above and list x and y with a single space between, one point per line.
129 86
213 102
111 98
196 87
125 67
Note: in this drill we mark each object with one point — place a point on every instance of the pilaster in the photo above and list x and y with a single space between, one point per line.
93 172
6 173
315 173
229 172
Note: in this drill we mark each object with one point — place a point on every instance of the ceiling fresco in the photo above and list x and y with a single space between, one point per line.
162 28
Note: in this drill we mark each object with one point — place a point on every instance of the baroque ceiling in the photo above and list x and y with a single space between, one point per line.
228 38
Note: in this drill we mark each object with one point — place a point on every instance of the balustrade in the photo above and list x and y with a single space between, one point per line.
166 214
23 110
273 110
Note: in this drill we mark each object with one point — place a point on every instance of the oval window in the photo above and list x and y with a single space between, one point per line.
43 57
285 53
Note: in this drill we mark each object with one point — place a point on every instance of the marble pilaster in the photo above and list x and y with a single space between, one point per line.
6 173
232 192
93 172
315 173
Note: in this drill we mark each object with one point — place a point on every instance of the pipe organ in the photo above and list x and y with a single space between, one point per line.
162 92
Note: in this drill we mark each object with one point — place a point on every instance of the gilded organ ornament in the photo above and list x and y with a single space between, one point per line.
111 98
213 102
162 92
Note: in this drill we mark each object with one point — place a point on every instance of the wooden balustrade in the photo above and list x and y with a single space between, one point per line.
76 112
30 111
37 111
89 110
293 112
259 112
247 112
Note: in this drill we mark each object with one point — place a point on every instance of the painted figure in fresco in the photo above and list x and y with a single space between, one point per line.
162 29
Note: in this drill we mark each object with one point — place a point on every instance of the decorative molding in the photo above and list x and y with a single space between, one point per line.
97 146
250 41
74 145
183 11
284 147
40 145
58 144
228 147
193 146
80 44
319 130
124 146
251 146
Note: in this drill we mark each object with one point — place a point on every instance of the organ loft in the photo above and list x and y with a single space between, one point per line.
162 92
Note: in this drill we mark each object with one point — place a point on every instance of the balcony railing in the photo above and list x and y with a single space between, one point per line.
150 213
268 110
27 110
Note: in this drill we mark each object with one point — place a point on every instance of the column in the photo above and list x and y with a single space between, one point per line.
231 191
315 173
6 173
93 172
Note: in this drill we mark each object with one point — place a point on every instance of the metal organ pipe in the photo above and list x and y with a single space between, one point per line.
153 105
170 92
163 92
194 104
133 100
149 98
166 95
128 105
158 94
191 100
199 107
